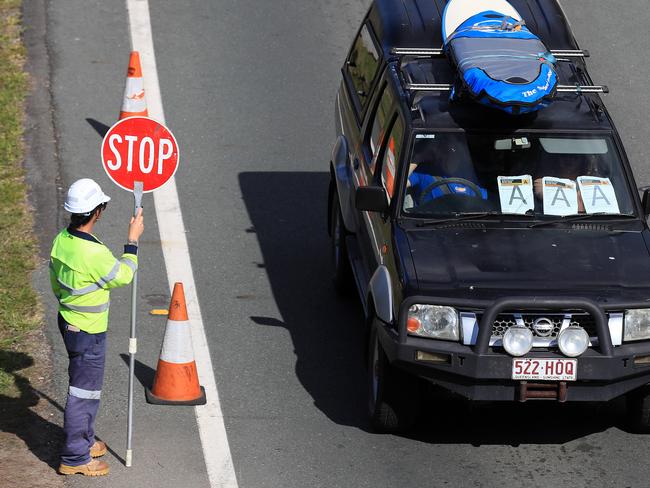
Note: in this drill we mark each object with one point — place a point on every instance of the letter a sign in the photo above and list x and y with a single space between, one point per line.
139 149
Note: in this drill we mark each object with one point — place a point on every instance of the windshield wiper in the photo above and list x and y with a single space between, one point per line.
574 218
458 218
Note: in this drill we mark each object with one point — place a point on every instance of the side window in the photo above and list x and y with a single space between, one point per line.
363 64
391 157
380 122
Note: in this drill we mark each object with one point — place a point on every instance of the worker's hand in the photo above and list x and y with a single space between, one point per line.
136 227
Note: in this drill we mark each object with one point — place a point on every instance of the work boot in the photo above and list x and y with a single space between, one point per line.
98 449
94 468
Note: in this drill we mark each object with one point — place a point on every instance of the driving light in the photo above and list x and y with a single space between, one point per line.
433 322
637 325
573 341
518 341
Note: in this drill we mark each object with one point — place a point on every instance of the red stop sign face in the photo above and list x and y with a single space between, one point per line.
139 149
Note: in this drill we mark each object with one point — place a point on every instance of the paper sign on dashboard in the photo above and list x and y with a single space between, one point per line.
560 196
516 194
598 195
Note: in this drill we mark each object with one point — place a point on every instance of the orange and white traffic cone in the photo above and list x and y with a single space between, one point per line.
134 102
177 381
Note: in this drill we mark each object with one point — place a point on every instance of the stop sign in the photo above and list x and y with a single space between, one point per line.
139 149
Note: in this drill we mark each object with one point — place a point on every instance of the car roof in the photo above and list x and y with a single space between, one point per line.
417 24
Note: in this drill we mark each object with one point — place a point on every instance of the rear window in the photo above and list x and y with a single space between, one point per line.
363 65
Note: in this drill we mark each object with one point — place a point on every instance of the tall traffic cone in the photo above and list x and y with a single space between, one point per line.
177 381
134 102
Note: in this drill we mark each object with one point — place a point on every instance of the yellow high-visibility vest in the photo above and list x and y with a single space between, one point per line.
82 272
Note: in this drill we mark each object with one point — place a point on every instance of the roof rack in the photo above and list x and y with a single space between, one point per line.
429 52
420 88
443 87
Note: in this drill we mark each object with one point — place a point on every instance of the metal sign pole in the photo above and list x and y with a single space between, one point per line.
138 188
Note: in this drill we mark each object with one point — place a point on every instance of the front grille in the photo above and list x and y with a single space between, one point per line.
506 320
586 321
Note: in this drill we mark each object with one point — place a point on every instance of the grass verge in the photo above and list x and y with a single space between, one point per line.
20 311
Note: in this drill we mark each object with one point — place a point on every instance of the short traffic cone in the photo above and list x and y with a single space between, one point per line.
177 381
134 102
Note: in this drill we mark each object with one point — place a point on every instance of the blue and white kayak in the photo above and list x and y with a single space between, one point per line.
500 62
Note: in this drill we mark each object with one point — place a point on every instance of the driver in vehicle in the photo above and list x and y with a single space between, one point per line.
435 162
565 166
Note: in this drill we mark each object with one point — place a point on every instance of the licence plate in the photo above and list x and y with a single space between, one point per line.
544 369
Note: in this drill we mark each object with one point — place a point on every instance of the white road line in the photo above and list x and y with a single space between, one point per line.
216 451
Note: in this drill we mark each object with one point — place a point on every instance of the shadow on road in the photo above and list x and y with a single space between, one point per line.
143 373
99 127
289 215
17 416
449 419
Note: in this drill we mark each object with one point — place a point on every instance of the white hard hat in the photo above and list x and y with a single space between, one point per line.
84 196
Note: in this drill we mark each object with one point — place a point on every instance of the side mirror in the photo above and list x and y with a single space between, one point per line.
371 199
646 202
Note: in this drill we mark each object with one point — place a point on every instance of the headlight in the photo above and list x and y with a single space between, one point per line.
434 322
573 341
518 341
637 325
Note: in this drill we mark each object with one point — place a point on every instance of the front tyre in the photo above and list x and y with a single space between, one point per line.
393 395
342 275
638 410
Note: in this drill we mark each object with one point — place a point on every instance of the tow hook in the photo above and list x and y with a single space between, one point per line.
548 391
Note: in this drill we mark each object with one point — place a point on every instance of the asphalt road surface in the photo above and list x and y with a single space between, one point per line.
248 88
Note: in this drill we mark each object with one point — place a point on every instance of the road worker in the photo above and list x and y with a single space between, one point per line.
82 273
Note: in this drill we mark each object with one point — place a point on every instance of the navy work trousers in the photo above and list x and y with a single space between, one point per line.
87 353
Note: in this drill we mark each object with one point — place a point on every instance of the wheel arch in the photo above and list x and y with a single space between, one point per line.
380 295
341 175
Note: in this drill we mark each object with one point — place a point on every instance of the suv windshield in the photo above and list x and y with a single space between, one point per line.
526 174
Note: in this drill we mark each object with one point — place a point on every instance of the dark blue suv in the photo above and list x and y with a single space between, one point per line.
501 257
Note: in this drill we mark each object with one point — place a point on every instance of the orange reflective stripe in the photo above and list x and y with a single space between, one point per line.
389 173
